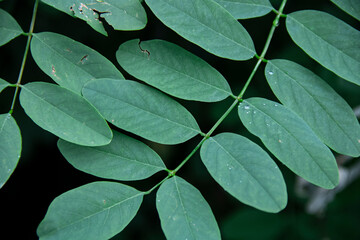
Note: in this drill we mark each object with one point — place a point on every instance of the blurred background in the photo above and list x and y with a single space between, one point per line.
42 173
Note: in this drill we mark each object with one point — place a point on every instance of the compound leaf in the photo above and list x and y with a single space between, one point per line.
10 147
141 110
328 40
352 7
9 28
173 70
123 159
243 9
206 24
291 140
65 114
317 103
245 170
184 213
120 14
3 84
98 210
70 63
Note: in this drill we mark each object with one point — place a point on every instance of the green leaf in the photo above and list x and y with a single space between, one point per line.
352 7
328 40
9 28
141 110
317 103
65 114
173 70
10 147
69 63
184 213
98 210
3 84
123 159
291 140
120 14
243 9
245 170
206 24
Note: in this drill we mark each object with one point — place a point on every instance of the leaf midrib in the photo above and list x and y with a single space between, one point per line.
207 27
65 113
256 180
151 113
94 214
184 74
322 107
297 141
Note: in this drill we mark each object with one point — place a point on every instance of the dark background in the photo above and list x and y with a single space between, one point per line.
42 173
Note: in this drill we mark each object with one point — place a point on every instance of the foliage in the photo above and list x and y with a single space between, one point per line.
105 121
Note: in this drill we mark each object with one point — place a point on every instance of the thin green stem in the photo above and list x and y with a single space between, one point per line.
158 184
29 35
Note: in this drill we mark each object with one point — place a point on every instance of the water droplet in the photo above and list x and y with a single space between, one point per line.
250 122
247 112
247 107
264 104
268 124
271 73
280 141
9 170
276 105
254 112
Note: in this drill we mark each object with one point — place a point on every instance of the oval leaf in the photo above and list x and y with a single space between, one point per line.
352 7
97 210
69 63
173 70
3 84
65 114
123 159
291 140
317 103
9 28
184 213
120 14
141 110
245 170
202 22
242 9
328 40
10 147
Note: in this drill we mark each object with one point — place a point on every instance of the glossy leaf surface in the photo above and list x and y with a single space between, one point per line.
120 14
9 28
10 146
351 7
291 140
245 170
98 210
326 112
141 110
123 159
184 213
242 9
173 70
328 40
206 24
70 63
65 114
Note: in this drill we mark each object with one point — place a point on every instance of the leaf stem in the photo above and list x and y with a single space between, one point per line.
29 35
